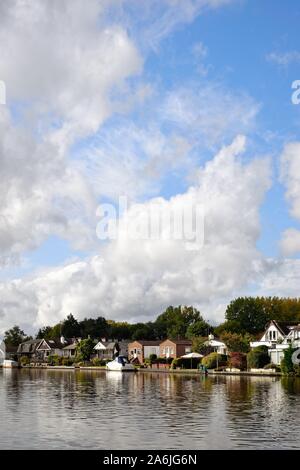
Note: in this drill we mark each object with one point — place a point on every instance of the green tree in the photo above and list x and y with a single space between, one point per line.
174 321
249 312
15 336
258 357
198 328
70 327
85 349
287 365
236 342
44 332
94 327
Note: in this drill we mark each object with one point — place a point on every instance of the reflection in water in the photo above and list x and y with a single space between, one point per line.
110 410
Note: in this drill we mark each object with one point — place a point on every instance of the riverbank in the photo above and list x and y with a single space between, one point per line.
256 373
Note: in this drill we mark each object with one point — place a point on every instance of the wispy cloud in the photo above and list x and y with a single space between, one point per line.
284 59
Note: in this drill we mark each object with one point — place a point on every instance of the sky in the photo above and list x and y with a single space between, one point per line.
166 103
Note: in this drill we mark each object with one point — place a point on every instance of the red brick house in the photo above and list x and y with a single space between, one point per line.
141 350
175 347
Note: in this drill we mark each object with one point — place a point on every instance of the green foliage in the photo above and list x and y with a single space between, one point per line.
44 332
15 336
98 362
70 327
214 360
251 314
258 357
199 345
55 360
94 327
85 349
236 342
273 366
153 358
67 361
174 322
287 366
24 360
198 328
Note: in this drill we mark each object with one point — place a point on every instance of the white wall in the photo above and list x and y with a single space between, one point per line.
151 350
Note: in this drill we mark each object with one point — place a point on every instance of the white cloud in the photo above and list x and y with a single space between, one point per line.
60 68
290 176
284 58
136 280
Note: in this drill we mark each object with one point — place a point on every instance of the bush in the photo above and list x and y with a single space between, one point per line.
287 366
57 360
214 360
152 358
24 360
238 360
98 362
258 358
67 361
273 366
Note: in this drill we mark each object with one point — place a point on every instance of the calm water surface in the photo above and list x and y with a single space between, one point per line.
42 409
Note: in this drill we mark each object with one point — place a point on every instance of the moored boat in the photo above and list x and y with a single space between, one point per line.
121 364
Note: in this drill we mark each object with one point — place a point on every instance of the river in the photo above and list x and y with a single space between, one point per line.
64 409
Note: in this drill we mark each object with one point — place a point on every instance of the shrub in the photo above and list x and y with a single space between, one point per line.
57 360
238 360
287 366
152 358
67 361
98 362
24 360
258 358
272 366
214 360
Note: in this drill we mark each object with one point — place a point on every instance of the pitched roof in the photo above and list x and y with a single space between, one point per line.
178 341
283 327
147 342
29 346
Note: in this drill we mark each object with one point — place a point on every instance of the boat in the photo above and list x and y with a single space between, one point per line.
8 364
120 363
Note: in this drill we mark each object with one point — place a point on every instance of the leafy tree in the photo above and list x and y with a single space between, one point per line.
236 342
258 357
287 365
119 330
94 327
15 336
199 345
214 360
198 328
70 327
174 322
85 349
249 312
44 332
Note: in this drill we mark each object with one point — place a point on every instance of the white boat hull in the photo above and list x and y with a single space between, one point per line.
118 366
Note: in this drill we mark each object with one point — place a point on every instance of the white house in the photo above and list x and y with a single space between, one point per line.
219 346
278 336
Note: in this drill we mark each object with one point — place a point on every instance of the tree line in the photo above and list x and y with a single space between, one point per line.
245 319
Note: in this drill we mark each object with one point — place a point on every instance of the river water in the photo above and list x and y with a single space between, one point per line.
64 409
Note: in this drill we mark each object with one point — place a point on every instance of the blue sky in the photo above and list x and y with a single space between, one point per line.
138 99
